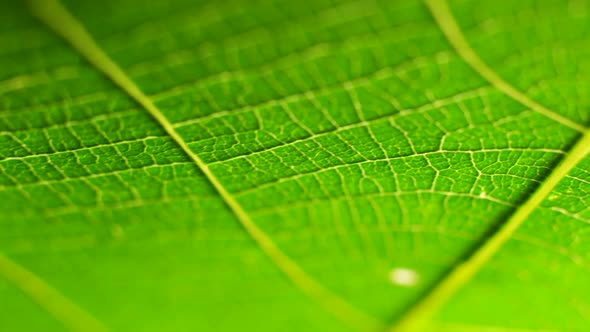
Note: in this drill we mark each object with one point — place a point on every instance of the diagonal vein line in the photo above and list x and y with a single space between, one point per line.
52 13
67 312
418 316
443 16
464 271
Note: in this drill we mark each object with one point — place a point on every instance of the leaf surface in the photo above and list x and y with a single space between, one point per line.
278 166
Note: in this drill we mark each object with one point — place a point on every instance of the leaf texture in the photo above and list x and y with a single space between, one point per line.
273 166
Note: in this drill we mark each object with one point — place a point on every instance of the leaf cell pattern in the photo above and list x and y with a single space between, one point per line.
352 133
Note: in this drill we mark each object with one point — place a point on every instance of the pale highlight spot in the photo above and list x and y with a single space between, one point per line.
404 277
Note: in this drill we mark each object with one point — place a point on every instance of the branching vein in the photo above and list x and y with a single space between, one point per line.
443 16
419 315
52 13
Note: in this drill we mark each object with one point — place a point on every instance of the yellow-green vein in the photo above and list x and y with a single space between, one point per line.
64 310
444 18
57 17
418 316
462 273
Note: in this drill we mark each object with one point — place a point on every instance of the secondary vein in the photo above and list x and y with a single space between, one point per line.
445 20
419 315
58 18
64 310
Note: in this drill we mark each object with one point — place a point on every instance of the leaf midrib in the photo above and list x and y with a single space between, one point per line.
420 314
58 18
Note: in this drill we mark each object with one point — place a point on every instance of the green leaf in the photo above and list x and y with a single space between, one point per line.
294 166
